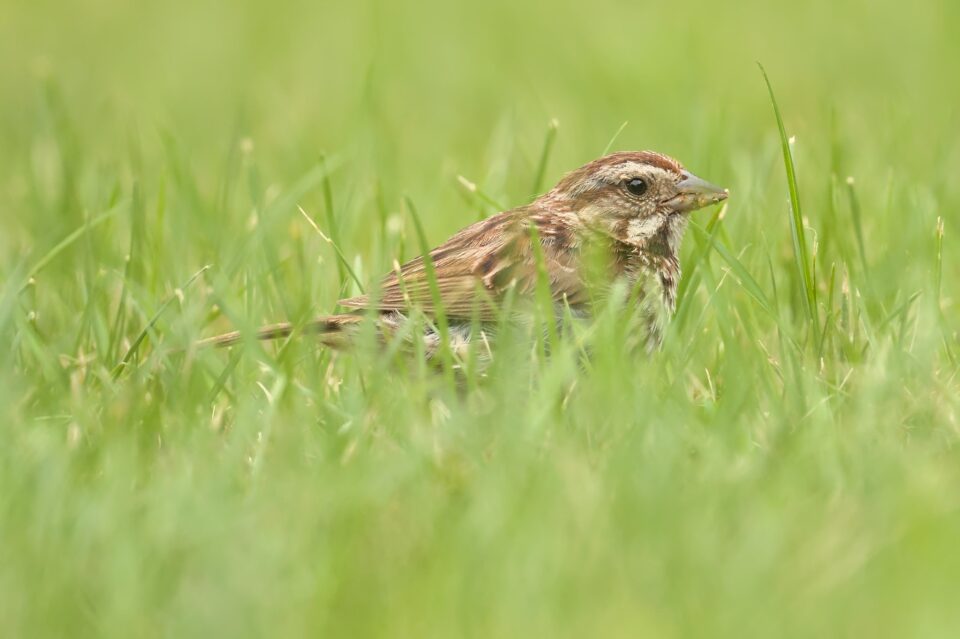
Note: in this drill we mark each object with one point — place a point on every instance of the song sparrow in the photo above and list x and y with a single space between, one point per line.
621 216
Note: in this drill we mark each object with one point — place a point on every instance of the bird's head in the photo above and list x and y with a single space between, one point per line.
636 196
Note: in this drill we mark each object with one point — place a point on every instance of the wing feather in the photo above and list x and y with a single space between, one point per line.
476 267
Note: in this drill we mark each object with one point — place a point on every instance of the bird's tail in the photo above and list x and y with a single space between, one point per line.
332 328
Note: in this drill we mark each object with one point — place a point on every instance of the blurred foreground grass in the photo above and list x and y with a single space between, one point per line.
764 475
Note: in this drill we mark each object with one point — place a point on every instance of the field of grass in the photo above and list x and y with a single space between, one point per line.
787 466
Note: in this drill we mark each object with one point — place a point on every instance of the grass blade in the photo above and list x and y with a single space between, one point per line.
342 267
341 258
543 292
544 156
800 251
616 135
440 315
480 194
857 225
746 280
939 270
153 320
66 242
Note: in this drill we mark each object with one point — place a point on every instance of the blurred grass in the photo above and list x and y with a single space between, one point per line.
748 480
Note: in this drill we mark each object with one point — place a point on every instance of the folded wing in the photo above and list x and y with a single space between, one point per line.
477 267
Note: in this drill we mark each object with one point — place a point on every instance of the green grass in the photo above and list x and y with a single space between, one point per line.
787 466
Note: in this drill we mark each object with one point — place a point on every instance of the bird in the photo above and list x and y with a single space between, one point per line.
618 218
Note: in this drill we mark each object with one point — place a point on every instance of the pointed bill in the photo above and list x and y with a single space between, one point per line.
694 193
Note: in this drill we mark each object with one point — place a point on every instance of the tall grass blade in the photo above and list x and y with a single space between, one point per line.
153 320
440 315
543 293
613 139
544 157
481 195
857 224
746 280
938 288
938 292
341 258
68 241
342 265
800 250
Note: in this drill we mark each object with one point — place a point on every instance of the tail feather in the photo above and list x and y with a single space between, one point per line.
328 325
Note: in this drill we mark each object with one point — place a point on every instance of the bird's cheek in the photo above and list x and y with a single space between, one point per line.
592 212
640 229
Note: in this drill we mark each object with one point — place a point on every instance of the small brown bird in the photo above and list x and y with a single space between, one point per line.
620 217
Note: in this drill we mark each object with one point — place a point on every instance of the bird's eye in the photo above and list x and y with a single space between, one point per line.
636 186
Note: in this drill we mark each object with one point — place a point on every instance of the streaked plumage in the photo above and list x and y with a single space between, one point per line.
621 216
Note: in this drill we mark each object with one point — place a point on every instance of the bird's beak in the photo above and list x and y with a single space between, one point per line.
694 193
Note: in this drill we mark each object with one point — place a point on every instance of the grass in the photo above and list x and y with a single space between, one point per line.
786 466
801 251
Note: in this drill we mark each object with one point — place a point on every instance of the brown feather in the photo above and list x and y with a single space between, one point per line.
476 267
590 213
